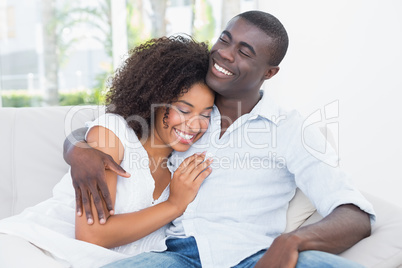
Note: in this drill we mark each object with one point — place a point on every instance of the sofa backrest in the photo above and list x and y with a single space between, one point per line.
31 160
31 145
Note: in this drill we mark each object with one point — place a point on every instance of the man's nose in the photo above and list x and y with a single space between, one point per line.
227 53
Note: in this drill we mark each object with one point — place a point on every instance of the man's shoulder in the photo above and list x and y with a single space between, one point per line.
278 113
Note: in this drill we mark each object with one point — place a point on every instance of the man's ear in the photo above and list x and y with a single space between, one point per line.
270 72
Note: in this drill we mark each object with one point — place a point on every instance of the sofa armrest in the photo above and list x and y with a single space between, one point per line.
384 247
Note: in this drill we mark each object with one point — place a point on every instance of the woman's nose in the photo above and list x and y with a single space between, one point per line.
194 124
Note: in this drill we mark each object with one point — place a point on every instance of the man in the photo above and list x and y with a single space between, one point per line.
239 214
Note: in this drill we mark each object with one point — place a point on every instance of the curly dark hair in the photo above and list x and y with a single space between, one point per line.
158 71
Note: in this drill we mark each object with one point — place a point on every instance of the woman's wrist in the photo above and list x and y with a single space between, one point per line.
175 207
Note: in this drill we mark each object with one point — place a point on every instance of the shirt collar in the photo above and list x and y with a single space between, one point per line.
266 108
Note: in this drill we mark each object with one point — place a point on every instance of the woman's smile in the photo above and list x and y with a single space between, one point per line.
184 137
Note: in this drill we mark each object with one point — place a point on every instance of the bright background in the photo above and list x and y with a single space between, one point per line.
350 52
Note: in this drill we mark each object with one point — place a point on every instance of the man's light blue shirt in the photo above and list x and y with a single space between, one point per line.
258 164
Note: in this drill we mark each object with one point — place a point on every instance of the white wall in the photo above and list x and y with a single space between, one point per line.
351 52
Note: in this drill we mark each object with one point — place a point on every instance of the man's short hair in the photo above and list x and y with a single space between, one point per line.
274 29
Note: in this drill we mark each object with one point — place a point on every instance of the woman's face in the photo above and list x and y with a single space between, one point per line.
188 118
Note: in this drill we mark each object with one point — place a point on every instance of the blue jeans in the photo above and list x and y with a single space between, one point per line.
183 252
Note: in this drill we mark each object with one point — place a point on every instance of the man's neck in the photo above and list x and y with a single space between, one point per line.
233 108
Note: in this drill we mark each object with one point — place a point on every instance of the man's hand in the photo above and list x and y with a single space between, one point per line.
283 252
88 174
340 230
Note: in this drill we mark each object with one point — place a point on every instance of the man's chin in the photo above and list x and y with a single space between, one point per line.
213 83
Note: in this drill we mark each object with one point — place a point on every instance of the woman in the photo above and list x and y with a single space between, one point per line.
158 102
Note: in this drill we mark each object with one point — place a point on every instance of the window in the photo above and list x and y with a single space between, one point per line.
62 54
7 22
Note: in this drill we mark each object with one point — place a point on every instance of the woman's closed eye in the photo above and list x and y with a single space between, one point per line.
206 115
183 111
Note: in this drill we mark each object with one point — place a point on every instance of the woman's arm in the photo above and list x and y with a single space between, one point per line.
122 229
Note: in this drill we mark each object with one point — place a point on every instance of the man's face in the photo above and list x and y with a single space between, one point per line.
238 63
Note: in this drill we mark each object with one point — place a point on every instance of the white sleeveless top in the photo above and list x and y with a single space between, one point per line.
50 224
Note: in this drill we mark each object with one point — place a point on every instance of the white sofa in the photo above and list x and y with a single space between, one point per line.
31 163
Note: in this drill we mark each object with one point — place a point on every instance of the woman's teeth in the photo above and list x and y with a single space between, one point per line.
222 70
183 135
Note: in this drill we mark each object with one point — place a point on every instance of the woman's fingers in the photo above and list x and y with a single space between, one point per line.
192 167
194 164
200 168
202 176
195 168
190 161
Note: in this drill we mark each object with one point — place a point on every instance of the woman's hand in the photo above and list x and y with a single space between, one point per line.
187 180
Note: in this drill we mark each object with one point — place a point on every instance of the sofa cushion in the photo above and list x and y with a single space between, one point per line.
31 142
300 209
